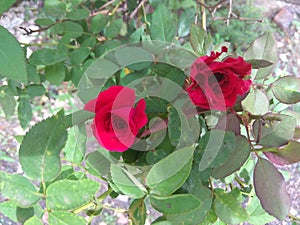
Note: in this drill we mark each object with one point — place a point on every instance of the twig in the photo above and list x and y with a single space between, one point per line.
294 218
203 14
137 8
238 18
29 31
231 16
116 8
229 13
106 4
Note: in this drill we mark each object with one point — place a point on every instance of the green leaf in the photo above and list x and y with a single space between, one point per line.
287 89
35 90
259 63
256 102
5 5
33 76
180 58
113 29
126 182
257 215
197 216
16 213
210 219
187 18
199 39
12 63
55 8
175 204
44 22
169 174
237 158
163 25
137 212
174 128
70 194
76 2
163 223
65 218
55 74
47 57
98 23
8 104
33 221
79 55
24 112
270 188
228 208
78 14
76 144
217 147
71 30
19 189
263 48
41 146
135 58
100 161
287 155
274 133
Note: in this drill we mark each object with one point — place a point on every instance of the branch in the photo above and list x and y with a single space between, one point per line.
137 8
203 14
29 31
238 18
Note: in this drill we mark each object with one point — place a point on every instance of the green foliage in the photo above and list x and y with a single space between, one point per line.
12 63
239 33
70 194
19 189
39 151
5 5
268 183
176 168
264 48
256 103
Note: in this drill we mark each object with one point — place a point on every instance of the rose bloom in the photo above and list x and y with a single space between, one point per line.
216 85
117 121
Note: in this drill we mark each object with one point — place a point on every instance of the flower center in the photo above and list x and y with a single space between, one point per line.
118 123
219 76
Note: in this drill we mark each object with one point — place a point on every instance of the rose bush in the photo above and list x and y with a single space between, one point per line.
116 121
216 84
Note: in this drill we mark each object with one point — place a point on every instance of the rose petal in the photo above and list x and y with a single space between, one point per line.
116 96
90 105
140 117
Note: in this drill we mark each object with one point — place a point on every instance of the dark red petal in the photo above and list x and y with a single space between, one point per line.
116 96
140 117
90 105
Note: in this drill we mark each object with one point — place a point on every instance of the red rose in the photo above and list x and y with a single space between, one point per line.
117 122
216 85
